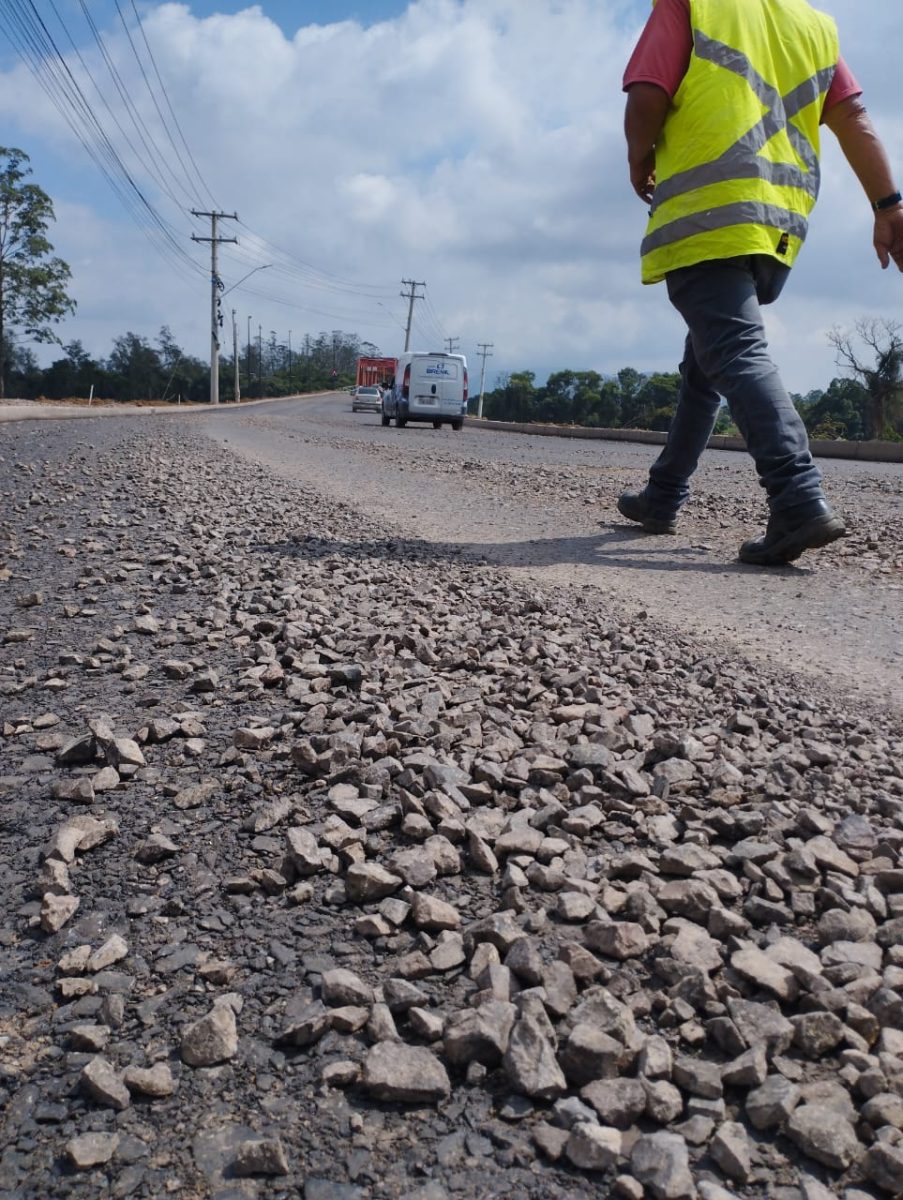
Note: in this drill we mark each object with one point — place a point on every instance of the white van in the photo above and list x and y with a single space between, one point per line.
427 387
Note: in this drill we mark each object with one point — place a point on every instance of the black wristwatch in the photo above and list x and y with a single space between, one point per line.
887 202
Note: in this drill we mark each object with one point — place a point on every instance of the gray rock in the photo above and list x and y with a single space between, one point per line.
760 1024
57 910
341 987
769 1106
617 939
840 925
260 1156
530 1062
367 882
618 1102
212 1039
305 1024
303 852
593 1147
817 1033
589 1054
91 1149
104 1085
883 1165
661 1162
699 1077
824 1135
155 1081
409 1074
756 967
664 1101
731 1150
479 1034
155 849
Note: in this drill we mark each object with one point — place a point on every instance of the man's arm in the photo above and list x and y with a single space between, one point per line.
851 125
644 118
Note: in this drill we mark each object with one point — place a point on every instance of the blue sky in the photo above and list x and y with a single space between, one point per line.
473 144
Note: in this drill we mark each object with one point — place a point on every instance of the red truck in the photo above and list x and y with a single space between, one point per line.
375 372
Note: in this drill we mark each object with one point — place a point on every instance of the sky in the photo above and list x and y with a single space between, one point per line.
473 146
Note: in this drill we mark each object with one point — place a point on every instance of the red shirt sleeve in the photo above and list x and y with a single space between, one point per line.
843 86
662 55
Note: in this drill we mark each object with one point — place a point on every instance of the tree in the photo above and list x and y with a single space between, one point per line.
72 375
882 381
630 381
33 283
136 368
517 400
838 412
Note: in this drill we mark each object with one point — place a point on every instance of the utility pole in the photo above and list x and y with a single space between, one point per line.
236 384
259 359
451 343
290 360
484 349
216 286
410 296
249 357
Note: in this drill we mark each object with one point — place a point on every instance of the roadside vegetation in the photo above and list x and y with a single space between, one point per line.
864 403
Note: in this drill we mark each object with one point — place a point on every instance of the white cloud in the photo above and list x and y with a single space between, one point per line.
476 145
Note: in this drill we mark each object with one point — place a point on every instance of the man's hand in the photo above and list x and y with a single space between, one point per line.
889 236
644 118
642 178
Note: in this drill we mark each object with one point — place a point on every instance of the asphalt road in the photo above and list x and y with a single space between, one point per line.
544 508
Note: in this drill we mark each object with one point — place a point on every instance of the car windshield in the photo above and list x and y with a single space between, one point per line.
368 391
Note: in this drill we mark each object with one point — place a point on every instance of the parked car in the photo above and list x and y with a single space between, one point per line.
366 399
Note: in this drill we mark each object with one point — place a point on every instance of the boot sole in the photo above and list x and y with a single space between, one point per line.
812 535
650 524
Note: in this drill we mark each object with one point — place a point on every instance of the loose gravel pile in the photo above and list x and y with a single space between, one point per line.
339 866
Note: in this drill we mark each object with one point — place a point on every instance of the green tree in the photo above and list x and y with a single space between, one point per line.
33 282
517 399
838 412
71 375
882 378
633 408
136 370
656 400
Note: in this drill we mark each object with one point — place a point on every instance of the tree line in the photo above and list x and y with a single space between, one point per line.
861 405
138 369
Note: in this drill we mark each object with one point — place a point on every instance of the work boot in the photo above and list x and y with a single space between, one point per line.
791 531
635 506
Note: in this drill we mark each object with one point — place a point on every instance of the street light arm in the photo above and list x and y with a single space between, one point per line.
265 267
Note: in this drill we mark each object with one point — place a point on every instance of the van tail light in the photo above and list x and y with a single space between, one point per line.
406 385
465 385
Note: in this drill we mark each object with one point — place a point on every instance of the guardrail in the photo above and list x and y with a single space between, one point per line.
884 452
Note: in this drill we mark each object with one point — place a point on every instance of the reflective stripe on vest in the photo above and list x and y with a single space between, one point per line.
765 217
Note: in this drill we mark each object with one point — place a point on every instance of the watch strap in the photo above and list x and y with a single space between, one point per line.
887 202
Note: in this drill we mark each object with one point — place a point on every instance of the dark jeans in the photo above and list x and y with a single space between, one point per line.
726 354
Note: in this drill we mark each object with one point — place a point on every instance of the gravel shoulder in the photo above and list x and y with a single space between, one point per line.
339 863
546 509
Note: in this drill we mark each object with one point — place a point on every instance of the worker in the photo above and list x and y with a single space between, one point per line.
724 103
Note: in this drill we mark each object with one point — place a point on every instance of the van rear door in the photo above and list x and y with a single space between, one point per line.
437 384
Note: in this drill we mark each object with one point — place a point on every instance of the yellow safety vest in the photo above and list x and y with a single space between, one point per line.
737 164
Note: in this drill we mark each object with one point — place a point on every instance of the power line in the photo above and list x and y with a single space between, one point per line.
172 111
38 49
154 154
